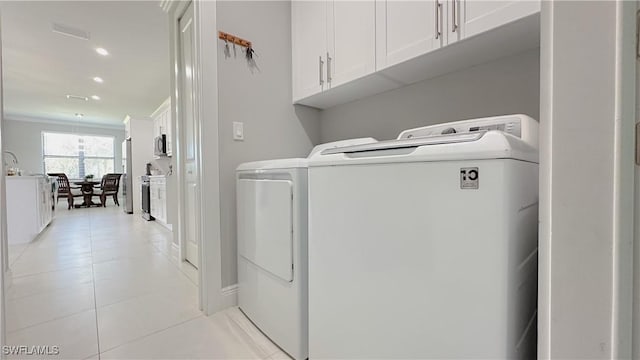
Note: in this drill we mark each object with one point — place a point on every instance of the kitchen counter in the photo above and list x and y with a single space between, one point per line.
29 206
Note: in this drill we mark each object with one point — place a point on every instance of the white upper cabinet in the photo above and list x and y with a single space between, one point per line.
309 47
371 46
162 123
351 48
334 42
479 16
407 29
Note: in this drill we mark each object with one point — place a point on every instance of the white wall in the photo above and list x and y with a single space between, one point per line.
505 86
24 138
141 133
261 99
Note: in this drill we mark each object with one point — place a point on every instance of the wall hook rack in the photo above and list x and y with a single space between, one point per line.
234 39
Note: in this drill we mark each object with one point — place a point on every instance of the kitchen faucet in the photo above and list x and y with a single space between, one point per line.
14 160
11 170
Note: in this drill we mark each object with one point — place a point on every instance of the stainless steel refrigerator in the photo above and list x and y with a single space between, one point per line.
127 179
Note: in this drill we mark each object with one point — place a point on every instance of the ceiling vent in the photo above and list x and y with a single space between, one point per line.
76 97
70 31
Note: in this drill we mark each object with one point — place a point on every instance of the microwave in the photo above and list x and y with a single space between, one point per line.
160 145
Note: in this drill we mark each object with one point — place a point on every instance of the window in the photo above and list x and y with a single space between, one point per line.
78 155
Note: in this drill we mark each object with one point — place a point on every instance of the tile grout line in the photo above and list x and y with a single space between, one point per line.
167 257
46 321
93 277
178 265
42 292
29 246
48 271
155 332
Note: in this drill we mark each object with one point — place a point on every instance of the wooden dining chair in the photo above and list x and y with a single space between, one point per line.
109 186
65 189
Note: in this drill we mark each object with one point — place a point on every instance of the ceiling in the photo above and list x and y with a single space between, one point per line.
40 67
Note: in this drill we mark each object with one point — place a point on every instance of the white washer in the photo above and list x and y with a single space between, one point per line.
272 247
426 246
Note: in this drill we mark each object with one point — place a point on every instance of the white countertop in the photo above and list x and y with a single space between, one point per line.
26 177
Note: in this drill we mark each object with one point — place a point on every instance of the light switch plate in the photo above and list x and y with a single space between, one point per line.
238 131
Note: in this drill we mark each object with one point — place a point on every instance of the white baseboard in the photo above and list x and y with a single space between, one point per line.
229 296
164 225
175 252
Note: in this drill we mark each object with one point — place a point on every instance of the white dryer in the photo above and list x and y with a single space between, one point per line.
426 246
272 247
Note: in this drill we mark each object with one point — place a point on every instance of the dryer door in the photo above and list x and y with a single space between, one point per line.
265 226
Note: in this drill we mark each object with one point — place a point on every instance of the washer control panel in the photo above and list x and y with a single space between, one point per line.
520 126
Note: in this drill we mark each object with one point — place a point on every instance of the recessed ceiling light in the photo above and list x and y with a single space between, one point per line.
102 51
77 97
95 97
79 115
98 79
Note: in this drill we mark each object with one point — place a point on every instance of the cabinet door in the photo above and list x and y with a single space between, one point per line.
153 198
127 129
156 126
309 47
352 40
406 29
163 123
168 124
162 203
479 16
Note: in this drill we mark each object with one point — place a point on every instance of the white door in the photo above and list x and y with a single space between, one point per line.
265 227
406 29
352 40
190 126
309 40
479 16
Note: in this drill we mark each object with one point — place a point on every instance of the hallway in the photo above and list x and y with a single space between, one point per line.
100 284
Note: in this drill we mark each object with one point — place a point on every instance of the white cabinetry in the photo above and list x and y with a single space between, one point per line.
158 190
309 30
162 123
352 44
333 43
406 29
127 129
352 40
477 17
29 207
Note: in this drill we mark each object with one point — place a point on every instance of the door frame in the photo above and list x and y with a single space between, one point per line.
211 295
5 271
592 117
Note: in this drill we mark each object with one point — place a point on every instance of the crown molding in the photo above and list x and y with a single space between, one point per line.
10 117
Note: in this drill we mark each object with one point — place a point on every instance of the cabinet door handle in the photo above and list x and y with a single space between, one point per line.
438 6
321 63
328 68
454 15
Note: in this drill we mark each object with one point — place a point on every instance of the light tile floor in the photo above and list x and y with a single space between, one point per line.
101 284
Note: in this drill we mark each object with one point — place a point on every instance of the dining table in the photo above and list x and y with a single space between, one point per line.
87 186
